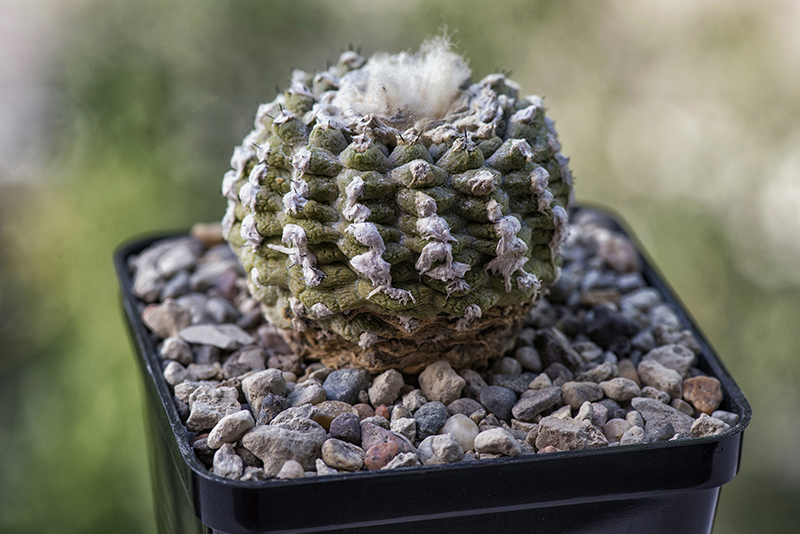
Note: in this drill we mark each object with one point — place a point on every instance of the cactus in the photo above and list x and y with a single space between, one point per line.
390 213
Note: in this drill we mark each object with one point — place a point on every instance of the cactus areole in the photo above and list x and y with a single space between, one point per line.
391 213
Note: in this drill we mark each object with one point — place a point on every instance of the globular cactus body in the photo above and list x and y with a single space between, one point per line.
389 213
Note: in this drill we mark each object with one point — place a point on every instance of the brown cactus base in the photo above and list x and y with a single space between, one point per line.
410 352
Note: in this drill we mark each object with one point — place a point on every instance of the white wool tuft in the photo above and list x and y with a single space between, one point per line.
424 85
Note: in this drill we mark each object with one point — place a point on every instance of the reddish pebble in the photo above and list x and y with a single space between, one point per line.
547 449
383 411
379 455
704 392
364 410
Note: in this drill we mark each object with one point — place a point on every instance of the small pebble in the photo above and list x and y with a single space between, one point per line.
291 469
430 418
222 336
385 387
576 393
528 358
407 459
704 392
635 418
473 382
615 428
174 348
340 454
365 411
463 429
498 400
497 441
271 406
227 463
441 449
346 427
405 426
620 389
413 400
569 434
464 406
256 386
682 406
529 407
506 366
731 419
656 375
439 382
345 384
633 436
705 425
308 392
379 455
230 428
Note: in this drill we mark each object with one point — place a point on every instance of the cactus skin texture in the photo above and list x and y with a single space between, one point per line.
388 239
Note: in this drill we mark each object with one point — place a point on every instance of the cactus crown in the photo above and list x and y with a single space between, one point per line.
389 199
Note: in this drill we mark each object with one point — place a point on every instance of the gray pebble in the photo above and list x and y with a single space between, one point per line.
385 388
586 412
175 373
620 389
274 445
439 382
705 425
256 386
576 393
181 256
430 418
682 406
413 400
174 348
201 372
614 410
528 357
271 406
176 286
589 351
401 412
207 273
653 374
516 383
230 428
208 405
291 469
675 357
221 310
345 384
340 454
658 431
323 469
644 341
506 366
663 315
223 336
308 392
463 406
441 449
147 283
635 418
615 428
404 459
378 420
166 319
600 414
568 434
498 400
598 373
405 426
654 411
253 474
643 299
655 394
473 383
542 399
731 419
540 382
633 436
227 463
497 441
630 282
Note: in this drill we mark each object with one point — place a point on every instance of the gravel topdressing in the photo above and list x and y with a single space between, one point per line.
603 361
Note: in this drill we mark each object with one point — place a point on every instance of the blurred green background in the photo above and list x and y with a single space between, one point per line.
119 118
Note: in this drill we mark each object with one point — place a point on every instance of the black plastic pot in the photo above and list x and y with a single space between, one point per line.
666 487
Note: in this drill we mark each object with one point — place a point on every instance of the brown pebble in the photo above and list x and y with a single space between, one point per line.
626 369
383 411
364 410
547 449
379 455
682 406
703 392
